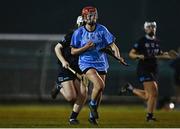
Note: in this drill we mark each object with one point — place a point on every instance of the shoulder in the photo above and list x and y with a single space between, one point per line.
141 40
157 40
79 30
68 35
101 27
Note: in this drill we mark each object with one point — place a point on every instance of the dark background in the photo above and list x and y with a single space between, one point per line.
124 18
28 69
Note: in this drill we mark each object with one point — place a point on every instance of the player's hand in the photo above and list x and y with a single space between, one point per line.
140 57
165 53
122 61
89 45
65 64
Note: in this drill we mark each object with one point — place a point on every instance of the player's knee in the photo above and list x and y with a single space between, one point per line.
83 96
153 95
100 85
83 93
71 98
146 97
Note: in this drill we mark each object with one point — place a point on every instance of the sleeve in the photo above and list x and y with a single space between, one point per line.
137 45
75 40
61 42
66 41
108 37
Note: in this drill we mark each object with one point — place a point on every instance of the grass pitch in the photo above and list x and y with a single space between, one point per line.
56 116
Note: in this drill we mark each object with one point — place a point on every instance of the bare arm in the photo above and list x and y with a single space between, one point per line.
164 55
76 51
116 51
134 55
59 55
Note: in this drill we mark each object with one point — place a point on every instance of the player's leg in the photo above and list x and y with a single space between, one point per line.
55 90
177 94
138 92
68 91
152 90
98 85
81 91
92 120
103 77
63 75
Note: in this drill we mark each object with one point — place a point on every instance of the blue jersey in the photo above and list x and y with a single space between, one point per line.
101 37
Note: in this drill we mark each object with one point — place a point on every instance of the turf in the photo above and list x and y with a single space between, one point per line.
56 116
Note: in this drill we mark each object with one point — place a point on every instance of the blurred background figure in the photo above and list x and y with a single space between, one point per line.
176 67
67 83
147 51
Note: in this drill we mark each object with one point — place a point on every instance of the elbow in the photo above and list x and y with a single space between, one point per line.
73 51
55 49
131 56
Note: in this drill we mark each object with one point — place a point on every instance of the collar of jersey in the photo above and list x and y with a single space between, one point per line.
148 37
90 31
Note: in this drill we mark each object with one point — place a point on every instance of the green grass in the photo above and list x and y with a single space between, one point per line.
51 116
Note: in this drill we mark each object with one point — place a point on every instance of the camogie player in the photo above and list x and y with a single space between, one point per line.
147 50
175 65
67 83
87 41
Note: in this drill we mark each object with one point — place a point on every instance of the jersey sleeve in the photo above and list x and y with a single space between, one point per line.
108 37
66 41
75 40
137 45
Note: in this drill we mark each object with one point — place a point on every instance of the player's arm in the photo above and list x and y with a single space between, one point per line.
133 54
163 55
76 51
59 55
116 51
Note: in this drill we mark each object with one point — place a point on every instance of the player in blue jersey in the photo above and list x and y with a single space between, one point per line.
67 83
87 41
147 50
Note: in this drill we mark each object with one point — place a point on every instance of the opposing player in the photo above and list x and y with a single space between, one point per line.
147 50
176 67
67 83
87 41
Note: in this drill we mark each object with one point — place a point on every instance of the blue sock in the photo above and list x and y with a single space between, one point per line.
91 116
93 102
